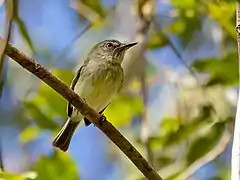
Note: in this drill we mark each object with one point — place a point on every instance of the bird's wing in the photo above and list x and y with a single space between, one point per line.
72 86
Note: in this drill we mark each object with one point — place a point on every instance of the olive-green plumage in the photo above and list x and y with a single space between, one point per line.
97 81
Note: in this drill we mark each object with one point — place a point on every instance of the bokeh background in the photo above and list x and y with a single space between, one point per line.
177 105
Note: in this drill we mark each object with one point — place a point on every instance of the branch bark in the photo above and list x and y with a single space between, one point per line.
106 127
235 169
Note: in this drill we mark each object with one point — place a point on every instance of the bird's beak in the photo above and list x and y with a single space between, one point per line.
127 46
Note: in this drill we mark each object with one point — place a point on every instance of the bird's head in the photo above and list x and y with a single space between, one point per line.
110 50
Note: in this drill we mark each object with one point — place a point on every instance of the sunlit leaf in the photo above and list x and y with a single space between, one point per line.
96 6
58 166
156 40
184 4
169 125
185 25
24 176
224 14
123 109
28 134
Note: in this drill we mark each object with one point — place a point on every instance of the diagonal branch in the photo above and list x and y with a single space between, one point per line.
106 127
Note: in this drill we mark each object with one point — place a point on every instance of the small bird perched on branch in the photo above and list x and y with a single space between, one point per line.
97 81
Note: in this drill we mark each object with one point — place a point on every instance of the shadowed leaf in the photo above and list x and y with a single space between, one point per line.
222 71
22 27
58 166
204 144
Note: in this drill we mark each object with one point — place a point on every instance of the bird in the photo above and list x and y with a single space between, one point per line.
97 81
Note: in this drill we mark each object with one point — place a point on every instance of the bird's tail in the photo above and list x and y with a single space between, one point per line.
63 138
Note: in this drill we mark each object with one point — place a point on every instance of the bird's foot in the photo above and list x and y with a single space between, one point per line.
84 100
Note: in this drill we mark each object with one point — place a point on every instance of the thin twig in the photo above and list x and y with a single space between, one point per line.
235 169
106 127
1 157
183 62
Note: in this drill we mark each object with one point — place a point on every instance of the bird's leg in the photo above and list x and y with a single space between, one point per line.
102 119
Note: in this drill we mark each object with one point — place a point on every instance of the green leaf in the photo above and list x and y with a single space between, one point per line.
24 176
123 108
22 27
184 4
49 105
224 14
173 131
184 132
222 71
59 166
41 119
23 30
28 134
204 144
96 6
185 25
169 125
157 40
216 178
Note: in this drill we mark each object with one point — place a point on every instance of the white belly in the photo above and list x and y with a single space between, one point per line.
99 90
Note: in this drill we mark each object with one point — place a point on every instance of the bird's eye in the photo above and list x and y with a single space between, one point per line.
109 45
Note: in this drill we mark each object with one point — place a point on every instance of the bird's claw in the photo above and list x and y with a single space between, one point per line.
102 119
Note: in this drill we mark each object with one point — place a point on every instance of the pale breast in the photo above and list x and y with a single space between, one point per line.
99 84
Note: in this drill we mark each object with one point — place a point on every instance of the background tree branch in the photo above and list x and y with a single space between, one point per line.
235 165
9 6
32 66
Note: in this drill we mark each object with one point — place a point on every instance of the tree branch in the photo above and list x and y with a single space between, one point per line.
1 158
145 9
144 122
235 169
106 127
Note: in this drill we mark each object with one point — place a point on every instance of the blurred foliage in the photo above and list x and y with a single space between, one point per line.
123 109
23 176
47 105
204 144
219 75
156 40
57 166
181 139
95 5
